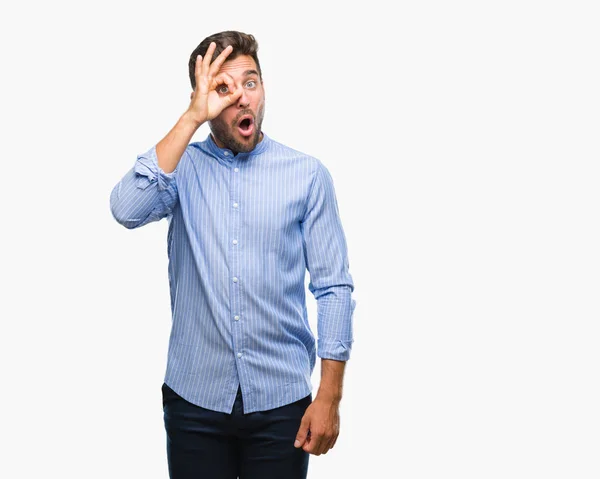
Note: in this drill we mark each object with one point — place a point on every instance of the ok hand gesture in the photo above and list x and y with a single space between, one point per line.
207 100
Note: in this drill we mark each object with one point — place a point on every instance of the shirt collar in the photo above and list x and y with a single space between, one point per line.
227 155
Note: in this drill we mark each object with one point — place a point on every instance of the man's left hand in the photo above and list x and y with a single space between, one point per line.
320 427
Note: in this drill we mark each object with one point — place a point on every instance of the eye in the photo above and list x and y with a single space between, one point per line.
253 83
222 89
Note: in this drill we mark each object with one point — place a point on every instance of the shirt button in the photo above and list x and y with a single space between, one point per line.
235 280
234 241
226 153
239 355
236 317
235 205
236 169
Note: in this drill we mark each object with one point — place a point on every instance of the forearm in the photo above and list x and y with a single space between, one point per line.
170 149
136 200
332 378
148 192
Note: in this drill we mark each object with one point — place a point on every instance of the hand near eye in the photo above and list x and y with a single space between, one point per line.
214 92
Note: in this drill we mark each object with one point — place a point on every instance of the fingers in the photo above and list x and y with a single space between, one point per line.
203 64
198 67
302 434
208 57
224 79
315 445
224 85
329 445
320 443
207 70
199 77
333 442
216 65
336 433
230 99
206 67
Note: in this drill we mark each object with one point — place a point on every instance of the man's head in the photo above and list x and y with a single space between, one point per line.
229 128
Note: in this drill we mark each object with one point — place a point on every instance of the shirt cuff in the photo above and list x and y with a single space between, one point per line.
334 349
148 172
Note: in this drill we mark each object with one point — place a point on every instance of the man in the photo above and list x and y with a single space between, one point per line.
247 217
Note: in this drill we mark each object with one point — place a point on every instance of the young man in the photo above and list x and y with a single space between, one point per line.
247 217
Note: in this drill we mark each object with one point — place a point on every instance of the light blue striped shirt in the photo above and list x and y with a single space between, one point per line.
243 231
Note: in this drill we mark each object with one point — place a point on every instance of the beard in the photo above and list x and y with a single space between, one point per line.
226 133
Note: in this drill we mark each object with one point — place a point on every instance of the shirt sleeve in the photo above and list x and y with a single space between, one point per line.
146 193
326 255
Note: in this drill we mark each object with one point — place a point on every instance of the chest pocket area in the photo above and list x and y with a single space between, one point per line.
272 222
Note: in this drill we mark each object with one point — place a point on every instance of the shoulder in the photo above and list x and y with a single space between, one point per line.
284 153
197 148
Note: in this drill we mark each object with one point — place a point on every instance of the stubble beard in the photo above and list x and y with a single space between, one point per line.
225 134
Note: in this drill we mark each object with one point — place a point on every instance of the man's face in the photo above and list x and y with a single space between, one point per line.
229 128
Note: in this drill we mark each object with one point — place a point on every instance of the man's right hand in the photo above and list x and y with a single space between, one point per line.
209 98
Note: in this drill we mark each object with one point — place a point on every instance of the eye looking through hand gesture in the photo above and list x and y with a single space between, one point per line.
208 98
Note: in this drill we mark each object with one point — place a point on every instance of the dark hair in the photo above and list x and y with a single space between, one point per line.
242 43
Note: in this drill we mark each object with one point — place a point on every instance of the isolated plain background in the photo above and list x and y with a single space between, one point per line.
463 142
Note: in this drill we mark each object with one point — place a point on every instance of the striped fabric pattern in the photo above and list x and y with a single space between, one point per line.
243 230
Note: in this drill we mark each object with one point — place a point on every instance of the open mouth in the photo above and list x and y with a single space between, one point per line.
246 125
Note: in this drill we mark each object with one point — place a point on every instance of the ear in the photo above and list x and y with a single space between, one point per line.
192 95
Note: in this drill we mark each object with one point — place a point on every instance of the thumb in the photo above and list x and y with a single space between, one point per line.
232 98
302 432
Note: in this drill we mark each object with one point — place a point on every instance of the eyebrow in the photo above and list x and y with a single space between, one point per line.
250 72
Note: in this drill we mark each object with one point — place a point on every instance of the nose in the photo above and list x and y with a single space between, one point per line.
243 100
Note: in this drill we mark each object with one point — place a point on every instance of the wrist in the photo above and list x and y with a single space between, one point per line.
189 120
330 396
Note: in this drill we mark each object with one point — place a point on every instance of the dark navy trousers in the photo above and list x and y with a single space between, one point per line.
206 444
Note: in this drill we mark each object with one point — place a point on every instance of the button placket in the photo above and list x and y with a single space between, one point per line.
234 248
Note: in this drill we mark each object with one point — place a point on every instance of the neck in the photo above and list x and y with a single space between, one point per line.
222 145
